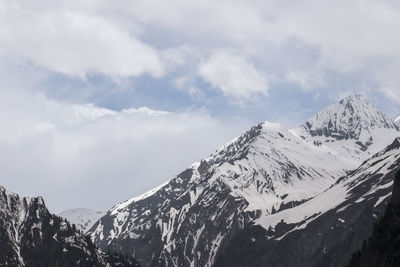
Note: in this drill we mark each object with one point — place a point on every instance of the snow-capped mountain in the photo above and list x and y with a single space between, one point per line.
397 121
82 218
31 236
356 123
267 170
325 230
382 247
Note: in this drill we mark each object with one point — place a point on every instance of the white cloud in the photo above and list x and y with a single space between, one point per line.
132 38
307 80
346 37
83 155
74 43
187 84
60 150
234 75
389 80
176 57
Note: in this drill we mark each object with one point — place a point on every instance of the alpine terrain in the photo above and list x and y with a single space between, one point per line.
382 248
397 121
31 236
272 182
82 218
325 230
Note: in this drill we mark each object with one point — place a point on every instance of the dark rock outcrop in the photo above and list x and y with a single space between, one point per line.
329 238
31 236
383 247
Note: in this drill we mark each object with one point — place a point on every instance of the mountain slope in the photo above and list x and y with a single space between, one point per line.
232 187
31 236
383 246
266 170
325 230
356 123
82 218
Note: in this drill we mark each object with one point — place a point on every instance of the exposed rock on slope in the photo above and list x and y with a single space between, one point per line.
383 247
356 122
325 230
82 218
31 236
266 171
397 121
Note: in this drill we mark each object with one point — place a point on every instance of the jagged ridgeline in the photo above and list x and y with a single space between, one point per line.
270 186
82 218
325 230
31 236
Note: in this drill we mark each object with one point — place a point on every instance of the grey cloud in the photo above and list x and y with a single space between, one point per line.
132 38
83 155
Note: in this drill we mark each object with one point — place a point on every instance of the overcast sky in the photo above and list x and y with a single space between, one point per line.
103 100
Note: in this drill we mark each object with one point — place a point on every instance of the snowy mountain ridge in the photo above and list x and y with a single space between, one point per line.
266 170
379 165
353 117
82 218
356 123
397 121
325 230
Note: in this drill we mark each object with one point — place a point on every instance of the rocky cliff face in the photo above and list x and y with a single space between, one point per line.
269 170
352 118
325 230
31 236
354 121
382 248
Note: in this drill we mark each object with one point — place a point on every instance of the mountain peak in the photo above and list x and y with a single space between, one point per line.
354 98
397 120
265 171
354 117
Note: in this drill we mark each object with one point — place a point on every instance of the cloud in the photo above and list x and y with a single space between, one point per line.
389 80
362 39
87 156
75 43
61 150
234 75
307 81
177 38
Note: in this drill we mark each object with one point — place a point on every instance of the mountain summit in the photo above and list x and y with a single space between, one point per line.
353 128
353 117
267 170
326 229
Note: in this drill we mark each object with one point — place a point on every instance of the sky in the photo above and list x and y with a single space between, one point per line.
101 101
